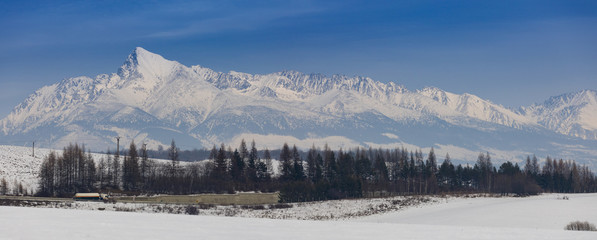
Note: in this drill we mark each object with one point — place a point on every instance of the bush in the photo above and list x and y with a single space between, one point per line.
206 206
280 206
253 207
581 226
191 210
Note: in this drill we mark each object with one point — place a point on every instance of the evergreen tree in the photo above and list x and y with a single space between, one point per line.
329 162
298 173
244 153
237 167
412 172
213 153
268 162
252 163
220 166
286 168
446 174
131 175
262 172
380 171
311 168
420 170
363 166
431 172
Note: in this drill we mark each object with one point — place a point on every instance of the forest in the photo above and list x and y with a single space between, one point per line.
317 174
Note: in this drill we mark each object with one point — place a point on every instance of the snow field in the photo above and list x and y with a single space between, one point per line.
547 211
323 210
37 223
537 217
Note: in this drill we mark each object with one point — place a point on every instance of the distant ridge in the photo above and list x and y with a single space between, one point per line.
154 100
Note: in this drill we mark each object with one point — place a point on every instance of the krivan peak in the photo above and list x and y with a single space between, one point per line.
143 63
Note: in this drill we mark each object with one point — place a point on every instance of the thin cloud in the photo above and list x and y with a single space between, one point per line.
245 21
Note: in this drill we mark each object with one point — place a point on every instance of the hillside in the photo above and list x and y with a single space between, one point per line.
17 165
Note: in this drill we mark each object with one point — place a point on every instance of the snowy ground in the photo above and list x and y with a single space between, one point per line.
17 164
323 210
540 217
548 211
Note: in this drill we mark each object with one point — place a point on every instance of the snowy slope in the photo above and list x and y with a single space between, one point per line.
154 100
573 114
473 106
17 164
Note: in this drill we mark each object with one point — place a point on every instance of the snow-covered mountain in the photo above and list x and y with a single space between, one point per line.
573 114
476 107
153 100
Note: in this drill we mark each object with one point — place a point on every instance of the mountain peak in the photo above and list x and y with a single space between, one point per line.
140 50
146 63
574 98
589 94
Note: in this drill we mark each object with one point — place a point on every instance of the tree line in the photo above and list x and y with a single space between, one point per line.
318 174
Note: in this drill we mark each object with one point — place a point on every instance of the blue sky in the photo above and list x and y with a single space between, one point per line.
511 52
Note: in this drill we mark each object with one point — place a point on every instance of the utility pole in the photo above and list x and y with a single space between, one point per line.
33 149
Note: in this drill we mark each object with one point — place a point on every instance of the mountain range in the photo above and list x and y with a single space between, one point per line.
154 100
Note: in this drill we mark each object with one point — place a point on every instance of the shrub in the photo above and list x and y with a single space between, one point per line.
124 209
280 206
581 226
191 210
206 206
253 207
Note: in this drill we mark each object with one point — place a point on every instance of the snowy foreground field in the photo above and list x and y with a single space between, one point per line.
540 217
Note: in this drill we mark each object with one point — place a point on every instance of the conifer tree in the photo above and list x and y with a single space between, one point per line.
220 166
446 174
237 166
243 151
131 175
329 163
311 163
252 163
286 168
298 172
268 162
144 166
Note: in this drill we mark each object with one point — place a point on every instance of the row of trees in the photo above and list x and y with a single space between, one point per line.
17 188
318 174
73 171
227 171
